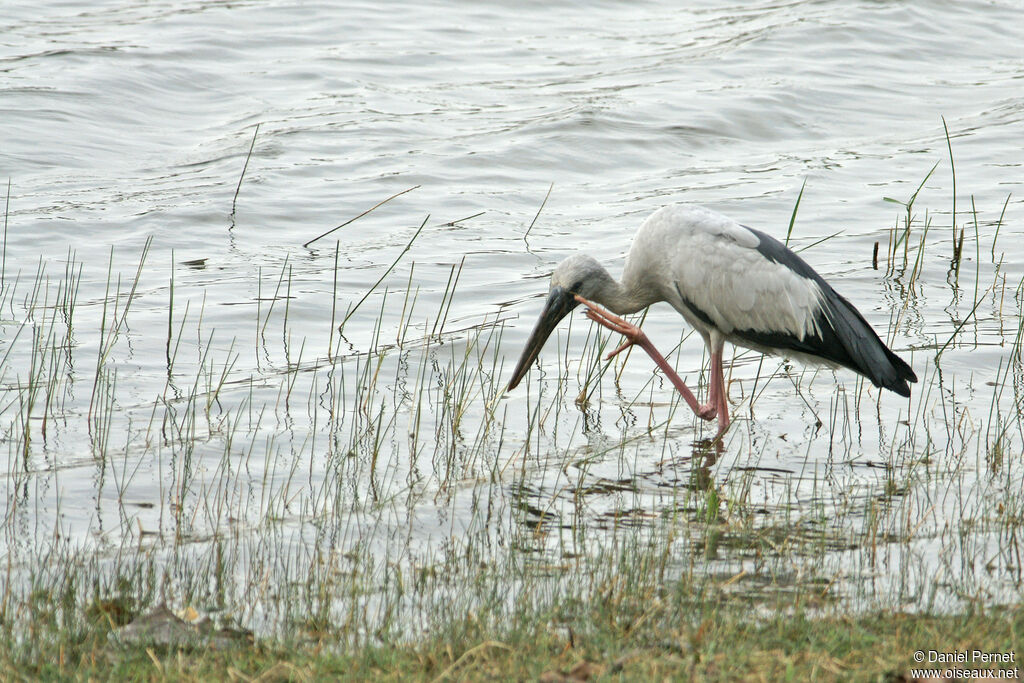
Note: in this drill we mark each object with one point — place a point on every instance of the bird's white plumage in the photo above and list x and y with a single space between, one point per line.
716 265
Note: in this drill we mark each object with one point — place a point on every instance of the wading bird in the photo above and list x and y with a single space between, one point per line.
731 283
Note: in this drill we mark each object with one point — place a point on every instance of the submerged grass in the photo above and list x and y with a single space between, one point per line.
376 507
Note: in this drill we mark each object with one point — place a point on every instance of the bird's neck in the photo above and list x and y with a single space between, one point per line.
623 298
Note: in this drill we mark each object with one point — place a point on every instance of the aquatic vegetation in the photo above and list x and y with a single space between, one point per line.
315 480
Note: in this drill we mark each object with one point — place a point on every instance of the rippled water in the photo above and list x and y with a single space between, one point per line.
123 122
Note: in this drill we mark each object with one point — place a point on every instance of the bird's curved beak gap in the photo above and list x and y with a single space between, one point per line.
559 304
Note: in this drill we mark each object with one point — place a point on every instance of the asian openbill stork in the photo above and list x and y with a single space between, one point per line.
731 283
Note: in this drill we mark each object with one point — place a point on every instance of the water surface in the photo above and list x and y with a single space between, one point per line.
227 397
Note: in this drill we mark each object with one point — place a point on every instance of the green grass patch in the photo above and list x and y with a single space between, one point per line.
638 641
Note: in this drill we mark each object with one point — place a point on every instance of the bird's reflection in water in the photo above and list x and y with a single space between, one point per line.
541 509
705 454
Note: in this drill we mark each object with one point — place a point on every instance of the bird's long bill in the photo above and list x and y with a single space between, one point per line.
559 304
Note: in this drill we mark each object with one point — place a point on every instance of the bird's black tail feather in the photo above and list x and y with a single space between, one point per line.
864 351
843 338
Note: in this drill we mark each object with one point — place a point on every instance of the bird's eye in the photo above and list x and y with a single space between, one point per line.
575 289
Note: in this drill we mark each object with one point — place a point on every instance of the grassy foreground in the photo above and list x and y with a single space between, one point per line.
726 645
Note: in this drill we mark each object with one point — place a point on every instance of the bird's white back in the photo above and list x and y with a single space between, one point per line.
713 262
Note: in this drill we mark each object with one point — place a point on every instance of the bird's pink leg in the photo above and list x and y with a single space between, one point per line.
709 410
634 335
719 394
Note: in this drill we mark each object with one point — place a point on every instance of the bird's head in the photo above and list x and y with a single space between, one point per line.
579 274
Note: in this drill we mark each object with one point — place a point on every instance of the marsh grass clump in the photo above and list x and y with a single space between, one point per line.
360 488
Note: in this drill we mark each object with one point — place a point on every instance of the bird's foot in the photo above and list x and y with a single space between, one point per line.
605 318
708 411
622 347
634 335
